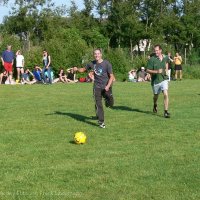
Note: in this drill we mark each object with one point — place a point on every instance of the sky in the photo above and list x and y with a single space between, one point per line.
4 10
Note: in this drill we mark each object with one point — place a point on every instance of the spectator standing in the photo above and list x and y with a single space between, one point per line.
178 66
46 67
7 59
170 61
19 64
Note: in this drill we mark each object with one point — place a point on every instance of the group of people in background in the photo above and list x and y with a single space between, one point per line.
43 75
139 75
174 63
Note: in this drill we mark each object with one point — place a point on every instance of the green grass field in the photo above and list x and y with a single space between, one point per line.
138 156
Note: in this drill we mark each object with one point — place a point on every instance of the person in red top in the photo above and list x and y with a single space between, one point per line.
7 59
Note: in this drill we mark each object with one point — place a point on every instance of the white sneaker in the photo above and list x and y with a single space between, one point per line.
102 125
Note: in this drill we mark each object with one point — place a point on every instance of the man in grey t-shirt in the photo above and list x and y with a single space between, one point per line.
103 79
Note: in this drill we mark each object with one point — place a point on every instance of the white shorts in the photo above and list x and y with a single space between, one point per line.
158 88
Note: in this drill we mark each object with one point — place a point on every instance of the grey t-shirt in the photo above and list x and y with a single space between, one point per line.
102 72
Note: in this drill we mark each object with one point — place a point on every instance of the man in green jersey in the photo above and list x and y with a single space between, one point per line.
157 66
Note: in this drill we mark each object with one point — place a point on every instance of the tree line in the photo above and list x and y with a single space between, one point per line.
117 26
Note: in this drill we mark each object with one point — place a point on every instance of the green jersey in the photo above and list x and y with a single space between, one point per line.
155 63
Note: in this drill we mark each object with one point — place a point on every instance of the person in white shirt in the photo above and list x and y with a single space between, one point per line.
132 76
19 64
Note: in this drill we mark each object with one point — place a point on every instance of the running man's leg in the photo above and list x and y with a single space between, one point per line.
156 91
98 104
108 96
164 88
166 100
155 105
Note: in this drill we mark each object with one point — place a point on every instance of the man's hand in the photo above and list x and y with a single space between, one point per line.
160 71
106 88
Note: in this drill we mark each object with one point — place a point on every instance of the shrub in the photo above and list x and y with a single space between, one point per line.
120 61
66 48
191 72
33 57
194 57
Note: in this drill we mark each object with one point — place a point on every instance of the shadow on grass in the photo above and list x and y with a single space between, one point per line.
77 117
72 142
126 108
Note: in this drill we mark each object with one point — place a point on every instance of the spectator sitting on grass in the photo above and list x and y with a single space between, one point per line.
37 75
62 76
3 77
132 75
143 75
71 76
26 77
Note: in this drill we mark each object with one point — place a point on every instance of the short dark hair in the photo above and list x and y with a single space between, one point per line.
158 45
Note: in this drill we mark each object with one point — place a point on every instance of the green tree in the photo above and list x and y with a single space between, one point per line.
66 47
89 5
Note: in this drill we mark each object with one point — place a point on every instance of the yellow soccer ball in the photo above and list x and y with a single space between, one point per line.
80 138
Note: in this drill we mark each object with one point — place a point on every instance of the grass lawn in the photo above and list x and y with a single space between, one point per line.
138 156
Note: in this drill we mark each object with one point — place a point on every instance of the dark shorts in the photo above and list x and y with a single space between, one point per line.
178 67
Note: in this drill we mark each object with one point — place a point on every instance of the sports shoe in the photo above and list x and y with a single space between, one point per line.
102 125
167 115
155 109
